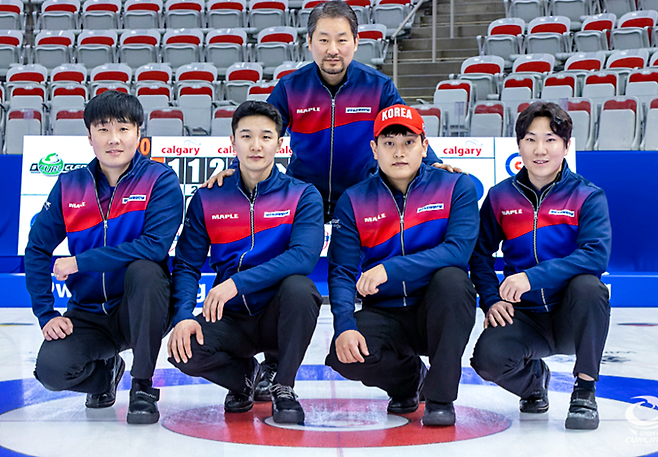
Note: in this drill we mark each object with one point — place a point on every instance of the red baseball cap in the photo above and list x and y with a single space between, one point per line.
399 115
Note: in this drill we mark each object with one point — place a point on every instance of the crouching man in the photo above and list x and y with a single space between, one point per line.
555 232
265 233
410 229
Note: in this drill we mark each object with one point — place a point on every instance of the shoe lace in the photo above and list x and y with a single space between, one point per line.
269 371
283 392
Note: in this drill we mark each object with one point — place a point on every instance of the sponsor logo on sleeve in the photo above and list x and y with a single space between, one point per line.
134 198
360 109
562 212
271 214
430 207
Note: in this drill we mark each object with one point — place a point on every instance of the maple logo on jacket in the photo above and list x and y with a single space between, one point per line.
77 205
374 218
308 110
511 212
224 216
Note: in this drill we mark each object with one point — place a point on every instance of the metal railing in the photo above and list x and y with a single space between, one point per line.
404 22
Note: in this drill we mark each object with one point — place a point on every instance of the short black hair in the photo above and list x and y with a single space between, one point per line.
113 105
561 123
257 108
397 129
333 9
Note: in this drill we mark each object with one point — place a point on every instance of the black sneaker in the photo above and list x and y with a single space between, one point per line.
537 403
440 414
262 392
243 401
398 405
107 398
583 413
285 407
143 408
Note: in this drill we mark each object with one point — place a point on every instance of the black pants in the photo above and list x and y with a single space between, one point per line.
510 356
438 327
77 362
284 329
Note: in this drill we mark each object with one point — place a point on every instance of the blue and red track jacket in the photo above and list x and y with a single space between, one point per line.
256 241
341 125
567 234
142 215
434 225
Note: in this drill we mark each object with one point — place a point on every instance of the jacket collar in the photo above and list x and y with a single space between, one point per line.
263 186
135 164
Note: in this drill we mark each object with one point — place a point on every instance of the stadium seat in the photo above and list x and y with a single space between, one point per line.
21 122
195 101
489 118
634 30
519 88
58 15
619 7
619 125
142 14
225 14
96 47
101 14
561 85
101 87
181 14
650 139
154 95
574 10
504 38
32 73
595 33
69 122
288 67
549 34
583 115
69 73
11 15
261 90
600 86
486 73
139 47
534 63
454 98
362 9
239 78
304 12
643 85
391 13
154 72
525 9
182 46
276 45
165 122
53 47
224 47
11 50
372 44
221 121
432 118
268 13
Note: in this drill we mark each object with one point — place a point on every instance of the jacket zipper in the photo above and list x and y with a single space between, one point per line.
401 216
331 143
105 218
540 199
252 202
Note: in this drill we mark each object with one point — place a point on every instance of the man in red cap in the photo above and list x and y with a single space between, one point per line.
410 230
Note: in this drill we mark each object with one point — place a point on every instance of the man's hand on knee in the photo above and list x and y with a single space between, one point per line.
180 346
57 328
500 313
350 345
513 287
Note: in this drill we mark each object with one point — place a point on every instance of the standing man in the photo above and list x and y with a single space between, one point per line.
329 108
555 232
264 230
409 230
120 215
